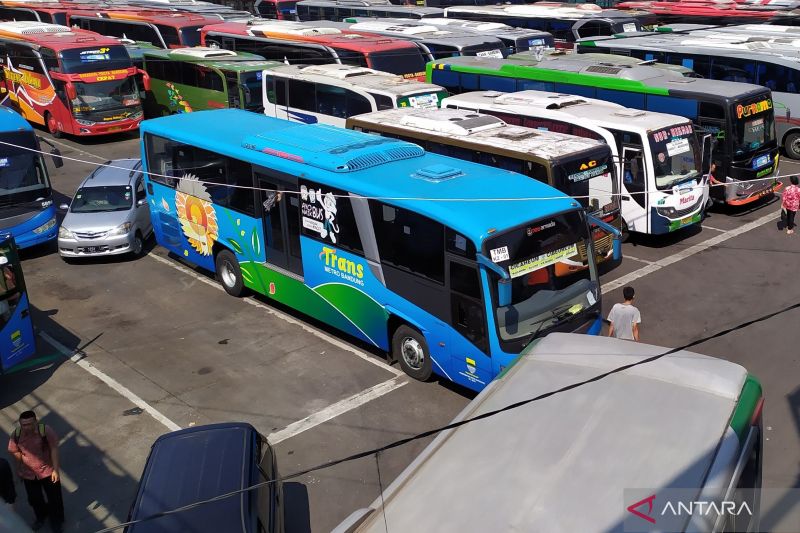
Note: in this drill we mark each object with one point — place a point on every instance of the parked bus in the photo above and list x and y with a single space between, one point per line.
70 81
738 115
193 79
657 156
52 13
593 458
159 28
434 42
516 39
329 94
774 65
565 22
455 284
337 10
577 166
276 9
26 202
299 43
17 340
672 12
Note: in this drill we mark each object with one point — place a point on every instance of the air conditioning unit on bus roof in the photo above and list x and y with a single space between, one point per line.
450 121
553 101
296 30
32 27
203 52
338 71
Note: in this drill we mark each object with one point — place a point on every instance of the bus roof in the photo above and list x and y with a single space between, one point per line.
488 28
360 77
295 31
477 130
703 42
340 157
214 57
10 120
546 10
420 31
530 102
561 464
369 6
54 36
635 77
169 18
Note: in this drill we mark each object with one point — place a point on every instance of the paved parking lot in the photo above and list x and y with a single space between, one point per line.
159 346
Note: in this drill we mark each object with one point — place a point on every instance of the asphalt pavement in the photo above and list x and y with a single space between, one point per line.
134 348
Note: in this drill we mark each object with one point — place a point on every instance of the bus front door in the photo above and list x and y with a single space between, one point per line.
281 219
17 342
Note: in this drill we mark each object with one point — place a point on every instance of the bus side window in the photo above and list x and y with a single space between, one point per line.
357 104
467 316
49 58
208 78
301 94
160 160
331 100
536 171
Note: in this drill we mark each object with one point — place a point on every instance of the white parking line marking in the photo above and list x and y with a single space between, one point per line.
283 316
688 252
336 409
111 382
706 226
637 259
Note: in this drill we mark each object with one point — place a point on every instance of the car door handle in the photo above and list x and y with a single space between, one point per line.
24 313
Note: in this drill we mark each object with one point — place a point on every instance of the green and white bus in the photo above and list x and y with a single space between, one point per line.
193 79
739 116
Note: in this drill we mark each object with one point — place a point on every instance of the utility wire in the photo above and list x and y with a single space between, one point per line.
454 425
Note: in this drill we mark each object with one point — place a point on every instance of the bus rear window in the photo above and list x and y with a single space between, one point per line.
408 63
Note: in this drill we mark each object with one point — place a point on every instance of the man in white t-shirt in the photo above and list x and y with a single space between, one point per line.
625 318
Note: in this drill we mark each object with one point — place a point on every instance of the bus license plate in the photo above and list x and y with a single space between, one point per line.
686 220
761 161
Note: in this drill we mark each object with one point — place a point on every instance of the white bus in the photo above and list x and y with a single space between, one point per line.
659 157
580 167
328 94
688 427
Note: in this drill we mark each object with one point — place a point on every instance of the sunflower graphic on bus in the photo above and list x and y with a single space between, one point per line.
196 214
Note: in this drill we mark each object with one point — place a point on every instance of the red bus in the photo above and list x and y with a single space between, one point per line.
294 42
705 11
164 29
69 80
53 12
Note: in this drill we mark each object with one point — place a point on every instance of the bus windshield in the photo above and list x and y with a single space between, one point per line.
573 176
406 62
540 298
190 36
753 125
251 84
23 176
673 150
105 96
84 60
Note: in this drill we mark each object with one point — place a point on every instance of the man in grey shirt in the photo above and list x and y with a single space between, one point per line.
625 318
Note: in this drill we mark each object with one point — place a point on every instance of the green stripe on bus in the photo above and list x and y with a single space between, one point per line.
748 400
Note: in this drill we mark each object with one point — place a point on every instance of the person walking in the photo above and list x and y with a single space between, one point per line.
34 445
790 203
625 318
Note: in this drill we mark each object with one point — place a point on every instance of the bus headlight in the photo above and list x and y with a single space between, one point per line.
84 122
136 115
122 229
64 233
50 224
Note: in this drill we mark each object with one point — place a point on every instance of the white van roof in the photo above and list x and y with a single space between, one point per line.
561 464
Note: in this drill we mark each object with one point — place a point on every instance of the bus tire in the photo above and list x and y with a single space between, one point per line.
792 145
228 273
411 351
52 125
625 233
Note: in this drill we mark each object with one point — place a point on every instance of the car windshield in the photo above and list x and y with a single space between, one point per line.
544 292
121 95
100 199
674 150
753 124
574 176
407 62
23 175
85 60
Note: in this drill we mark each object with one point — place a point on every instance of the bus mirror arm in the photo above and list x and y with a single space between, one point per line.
145 79
615 234
503 285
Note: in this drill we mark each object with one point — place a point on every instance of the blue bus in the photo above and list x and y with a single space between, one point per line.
26 204
17 342
447 265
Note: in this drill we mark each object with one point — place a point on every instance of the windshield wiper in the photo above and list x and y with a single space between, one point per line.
560 315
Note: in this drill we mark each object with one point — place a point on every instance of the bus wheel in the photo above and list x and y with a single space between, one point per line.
625 232
411 351
52 125
229 273
792 145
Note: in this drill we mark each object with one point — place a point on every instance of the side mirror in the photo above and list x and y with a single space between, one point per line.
145 79
58 161
3 260
614 232
247 96
140 203
64 207
72 93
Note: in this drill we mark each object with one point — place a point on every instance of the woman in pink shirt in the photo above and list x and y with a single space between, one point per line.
791 203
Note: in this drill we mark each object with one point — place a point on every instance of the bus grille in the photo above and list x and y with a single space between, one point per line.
602 247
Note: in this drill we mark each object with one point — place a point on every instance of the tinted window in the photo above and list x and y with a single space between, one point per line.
382 101
357 104
331 100
301 94
409 241
92 59
351 57
190 36
208 78
169 34
459 245
327 216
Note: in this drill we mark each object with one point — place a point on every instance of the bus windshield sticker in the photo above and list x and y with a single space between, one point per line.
4 162
499 254
425 101
754 108
678 146
535 263
629 26
589 170
99 54
319 212
490 53
590 298
535 42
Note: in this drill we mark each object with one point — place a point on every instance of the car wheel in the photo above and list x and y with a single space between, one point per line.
52 125
792 145
411 351
137 246
229 273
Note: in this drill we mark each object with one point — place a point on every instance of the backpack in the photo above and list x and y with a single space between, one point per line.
42 433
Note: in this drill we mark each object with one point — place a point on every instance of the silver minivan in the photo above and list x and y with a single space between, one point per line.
108 215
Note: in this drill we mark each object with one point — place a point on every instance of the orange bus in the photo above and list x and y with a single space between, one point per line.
69 80
295 42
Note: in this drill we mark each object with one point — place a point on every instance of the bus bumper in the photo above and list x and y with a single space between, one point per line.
38 229
754 196
85 128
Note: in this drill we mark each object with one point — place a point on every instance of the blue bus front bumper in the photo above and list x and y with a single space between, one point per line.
40 228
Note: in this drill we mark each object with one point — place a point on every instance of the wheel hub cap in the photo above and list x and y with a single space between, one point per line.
228 275
413 354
